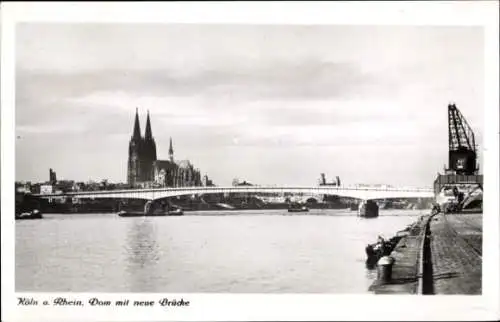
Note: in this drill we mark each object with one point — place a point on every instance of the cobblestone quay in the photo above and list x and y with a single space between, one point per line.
455 247
456 252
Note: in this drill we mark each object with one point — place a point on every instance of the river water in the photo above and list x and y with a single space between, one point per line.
268 251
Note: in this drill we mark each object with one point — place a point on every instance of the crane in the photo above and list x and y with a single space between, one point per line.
462 157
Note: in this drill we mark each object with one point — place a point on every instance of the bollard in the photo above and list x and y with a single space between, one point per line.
384 269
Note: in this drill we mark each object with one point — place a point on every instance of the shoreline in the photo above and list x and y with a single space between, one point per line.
313 212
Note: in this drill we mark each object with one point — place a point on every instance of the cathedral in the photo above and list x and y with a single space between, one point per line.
145 170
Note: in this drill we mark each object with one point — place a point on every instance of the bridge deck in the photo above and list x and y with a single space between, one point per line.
158 193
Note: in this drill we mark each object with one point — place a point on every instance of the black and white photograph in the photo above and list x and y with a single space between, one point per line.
248 158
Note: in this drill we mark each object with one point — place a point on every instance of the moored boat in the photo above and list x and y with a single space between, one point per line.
173 212
35 214
382 248
296 207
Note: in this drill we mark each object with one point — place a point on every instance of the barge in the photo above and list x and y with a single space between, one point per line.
175 212
296 207
35 214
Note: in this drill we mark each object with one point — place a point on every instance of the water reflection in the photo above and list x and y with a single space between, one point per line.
142 252
371 272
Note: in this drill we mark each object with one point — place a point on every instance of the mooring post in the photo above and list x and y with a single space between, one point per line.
384 269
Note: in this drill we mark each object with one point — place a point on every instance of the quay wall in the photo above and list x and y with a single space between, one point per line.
408 262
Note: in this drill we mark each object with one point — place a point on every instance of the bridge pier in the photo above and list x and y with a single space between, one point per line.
153 205
368 208
148 207
117 205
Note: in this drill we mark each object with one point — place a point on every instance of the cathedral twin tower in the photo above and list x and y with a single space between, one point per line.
142 153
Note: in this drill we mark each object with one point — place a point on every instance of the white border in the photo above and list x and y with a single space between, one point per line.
266 307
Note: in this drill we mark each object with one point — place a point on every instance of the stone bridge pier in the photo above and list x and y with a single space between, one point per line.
156 205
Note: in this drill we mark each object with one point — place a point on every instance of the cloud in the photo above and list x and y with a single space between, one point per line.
49 129
306 79
168 110
299 121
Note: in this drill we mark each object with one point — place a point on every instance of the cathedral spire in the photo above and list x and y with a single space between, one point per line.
171 151
148 135
137 128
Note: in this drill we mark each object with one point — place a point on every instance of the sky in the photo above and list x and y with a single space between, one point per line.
269 104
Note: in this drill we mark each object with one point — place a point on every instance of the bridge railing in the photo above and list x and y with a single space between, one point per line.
243 189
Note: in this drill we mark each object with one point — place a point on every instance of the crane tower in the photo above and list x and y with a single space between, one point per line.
462 157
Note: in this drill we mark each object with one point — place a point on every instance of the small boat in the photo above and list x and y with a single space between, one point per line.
381 248
374 252
173 212
368 209
35 214
296 207
225 205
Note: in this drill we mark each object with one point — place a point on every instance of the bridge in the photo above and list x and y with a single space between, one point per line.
364 193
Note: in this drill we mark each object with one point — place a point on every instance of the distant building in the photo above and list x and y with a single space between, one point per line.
23 187
78 186
35 188
52 177
323 182
46 189
207 182
377 185
244 183
65 185
141 153
236 182
145 170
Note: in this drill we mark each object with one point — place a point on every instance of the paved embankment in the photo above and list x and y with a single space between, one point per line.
456 253
450 262
406 266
